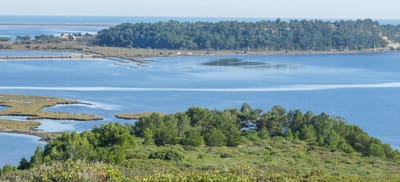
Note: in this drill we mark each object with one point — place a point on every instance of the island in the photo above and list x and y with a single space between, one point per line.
137 41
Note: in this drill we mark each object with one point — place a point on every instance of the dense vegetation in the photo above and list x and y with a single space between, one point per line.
392 32
288 146
225 128
233 35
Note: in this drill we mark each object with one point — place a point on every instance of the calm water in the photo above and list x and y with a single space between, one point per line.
362 88
15 146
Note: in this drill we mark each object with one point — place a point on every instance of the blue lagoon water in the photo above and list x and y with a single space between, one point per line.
362 88
16 146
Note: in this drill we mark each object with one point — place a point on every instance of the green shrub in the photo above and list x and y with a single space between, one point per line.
225 155
192 137
165 136
215 137
170 155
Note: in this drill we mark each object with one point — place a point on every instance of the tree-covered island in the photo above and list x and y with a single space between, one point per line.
275 35
133 41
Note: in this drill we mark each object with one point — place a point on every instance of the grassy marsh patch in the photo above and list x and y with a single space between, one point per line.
136 115
31 107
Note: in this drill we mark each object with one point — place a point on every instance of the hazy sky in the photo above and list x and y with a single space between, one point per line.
377 9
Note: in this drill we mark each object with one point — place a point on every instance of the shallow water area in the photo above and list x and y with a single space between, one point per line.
16 146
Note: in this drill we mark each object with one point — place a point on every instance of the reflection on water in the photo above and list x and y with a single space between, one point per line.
236 62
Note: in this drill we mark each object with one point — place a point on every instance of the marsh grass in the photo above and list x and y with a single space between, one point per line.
136 115
12 125
31 107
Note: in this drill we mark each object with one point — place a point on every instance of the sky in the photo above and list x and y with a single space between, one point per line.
376 9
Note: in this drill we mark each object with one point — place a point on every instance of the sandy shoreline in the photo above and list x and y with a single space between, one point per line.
139 55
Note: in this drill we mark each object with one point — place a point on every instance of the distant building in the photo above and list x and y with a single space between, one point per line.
69 37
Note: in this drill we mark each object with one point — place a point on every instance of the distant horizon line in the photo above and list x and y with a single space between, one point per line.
211 17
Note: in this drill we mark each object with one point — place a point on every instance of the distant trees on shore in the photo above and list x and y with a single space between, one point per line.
43 38
262 35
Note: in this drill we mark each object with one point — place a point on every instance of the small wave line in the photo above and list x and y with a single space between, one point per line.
304 87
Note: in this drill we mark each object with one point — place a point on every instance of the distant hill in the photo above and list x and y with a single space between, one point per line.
263 35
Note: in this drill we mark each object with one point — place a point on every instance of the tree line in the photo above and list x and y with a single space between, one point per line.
262 35
198 126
